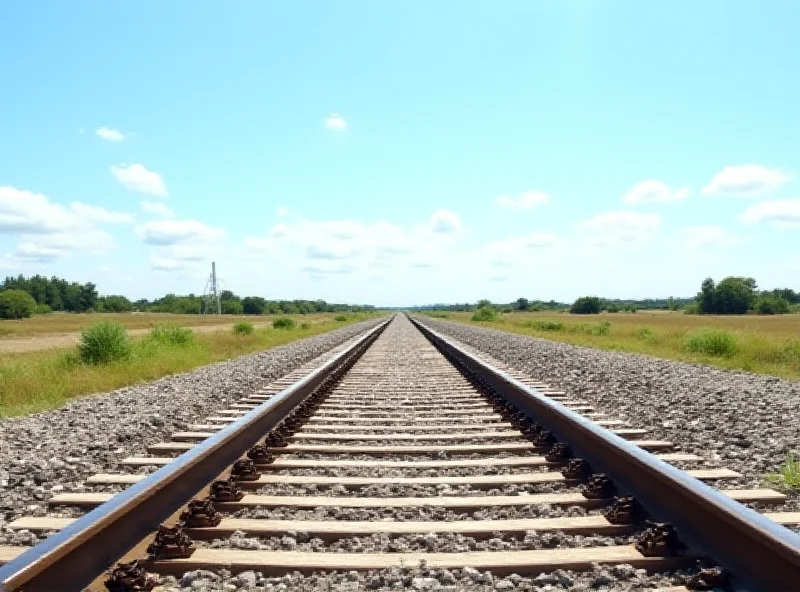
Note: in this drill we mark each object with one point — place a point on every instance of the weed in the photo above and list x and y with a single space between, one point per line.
340 318
646 334
305 325
103 343
712 342
243 329
788 476
485 314
544 325
438 315
286 323
171 334
791 351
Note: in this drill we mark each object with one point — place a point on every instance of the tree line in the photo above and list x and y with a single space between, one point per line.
22 297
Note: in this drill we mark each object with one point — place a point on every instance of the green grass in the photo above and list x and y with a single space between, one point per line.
36 381
761 344
243 328
788 476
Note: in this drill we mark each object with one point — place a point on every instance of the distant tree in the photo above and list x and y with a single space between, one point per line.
16 304
734 295
231 307
705 298
522 304
586 305
114 304
254 305
484 303
770 305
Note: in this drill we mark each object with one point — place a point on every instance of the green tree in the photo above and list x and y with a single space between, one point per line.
522 304
586 305
115 304
16 304
705 298
734 295
770 305
254 305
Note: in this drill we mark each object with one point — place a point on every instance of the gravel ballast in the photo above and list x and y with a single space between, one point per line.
55 451
737 420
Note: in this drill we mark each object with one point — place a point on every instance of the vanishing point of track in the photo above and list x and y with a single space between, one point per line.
406 411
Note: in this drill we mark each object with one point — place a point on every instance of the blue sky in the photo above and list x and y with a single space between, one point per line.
401 153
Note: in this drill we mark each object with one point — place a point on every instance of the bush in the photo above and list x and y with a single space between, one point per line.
172 334
42 309
770 305
691 309
243 328
712 342
645 334
305 325
283 323
103 343
16 304
586 305
485 314
438 315
545 325
340 318
791 351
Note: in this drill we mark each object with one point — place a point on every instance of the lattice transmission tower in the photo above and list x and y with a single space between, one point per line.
211 304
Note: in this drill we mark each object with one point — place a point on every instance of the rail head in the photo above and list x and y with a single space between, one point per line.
764 555
72 558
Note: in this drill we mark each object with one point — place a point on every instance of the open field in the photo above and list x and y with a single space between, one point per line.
69 323
38 380
762 344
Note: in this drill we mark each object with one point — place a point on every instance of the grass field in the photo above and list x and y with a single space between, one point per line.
35 381
40 325
762 344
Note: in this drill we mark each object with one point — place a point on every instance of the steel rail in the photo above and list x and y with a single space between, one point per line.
73 558
762 555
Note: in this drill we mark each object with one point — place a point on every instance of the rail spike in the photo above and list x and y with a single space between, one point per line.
244 469
260 455
710 578
130 577
625 510
225 491
660 540
599 487
559 453
577 469
171 543
200 514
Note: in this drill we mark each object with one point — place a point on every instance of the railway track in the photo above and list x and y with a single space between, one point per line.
403 451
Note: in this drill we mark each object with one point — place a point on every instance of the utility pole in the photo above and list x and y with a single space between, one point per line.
214 290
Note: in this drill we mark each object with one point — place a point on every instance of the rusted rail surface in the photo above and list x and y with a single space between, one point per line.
764 555
74 557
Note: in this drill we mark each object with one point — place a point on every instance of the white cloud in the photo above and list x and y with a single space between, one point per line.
526 201
749 180
611 228
283 211
517 250
173 232
651 191
784 213
335 122
37 252
336 247
445 222
164 264
697 237
136 177
100 215
156 208
110 134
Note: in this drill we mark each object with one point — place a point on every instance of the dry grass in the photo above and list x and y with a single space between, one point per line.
73 323
36 381
764 344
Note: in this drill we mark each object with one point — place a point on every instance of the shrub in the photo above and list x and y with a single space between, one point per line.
691 309
172 334
340 318
791 351
305 325
586 305
42 309
645 334
16 304
545 325
283 323
712 342
770 305
103 343
484 314
438 315
244 328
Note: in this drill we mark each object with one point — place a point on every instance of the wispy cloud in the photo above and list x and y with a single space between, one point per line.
651 191
749 180
335 122
110 134
137 177
525 201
